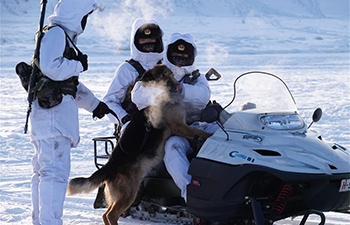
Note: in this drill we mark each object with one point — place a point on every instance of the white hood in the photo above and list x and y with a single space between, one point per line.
147 59
69 13
179 72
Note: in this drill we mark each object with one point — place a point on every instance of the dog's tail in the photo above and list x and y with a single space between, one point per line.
85 185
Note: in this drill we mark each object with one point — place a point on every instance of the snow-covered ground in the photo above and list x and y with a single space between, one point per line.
305 42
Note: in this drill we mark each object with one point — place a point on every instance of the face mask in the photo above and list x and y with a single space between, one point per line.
181 61
84 20
148 38
147 45
181 53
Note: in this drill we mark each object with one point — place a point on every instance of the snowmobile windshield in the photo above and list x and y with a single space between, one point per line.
262 92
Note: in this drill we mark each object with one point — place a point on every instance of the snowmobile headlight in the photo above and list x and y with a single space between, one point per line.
283 122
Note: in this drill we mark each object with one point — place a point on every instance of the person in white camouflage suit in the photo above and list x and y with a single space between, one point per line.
180 58
55 129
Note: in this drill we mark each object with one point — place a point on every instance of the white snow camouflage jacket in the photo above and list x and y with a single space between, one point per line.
126 74
62 120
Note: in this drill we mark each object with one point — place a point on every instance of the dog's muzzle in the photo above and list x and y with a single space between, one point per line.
178 88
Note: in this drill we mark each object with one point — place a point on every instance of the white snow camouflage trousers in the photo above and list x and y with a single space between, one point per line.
175 159
51 167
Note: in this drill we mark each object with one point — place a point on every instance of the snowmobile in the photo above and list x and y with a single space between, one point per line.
264 164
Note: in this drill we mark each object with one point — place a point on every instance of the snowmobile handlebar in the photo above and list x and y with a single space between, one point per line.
212 72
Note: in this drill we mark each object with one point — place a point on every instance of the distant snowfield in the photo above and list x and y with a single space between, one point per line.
306 43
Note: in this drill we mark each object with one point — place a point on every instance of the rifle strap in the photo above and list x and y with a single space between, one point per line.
67 36
127 104
75 47
138 67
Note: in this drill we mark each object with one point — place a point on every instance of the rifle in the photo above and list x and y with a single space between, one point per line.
35 64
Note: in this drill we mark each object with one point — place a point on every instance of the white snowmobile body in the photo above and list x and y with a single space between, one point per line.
266 154
265 143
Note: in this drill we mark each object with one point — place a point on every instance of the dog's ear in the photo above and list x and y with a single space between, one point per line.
157 73
163 72
168 72
147 76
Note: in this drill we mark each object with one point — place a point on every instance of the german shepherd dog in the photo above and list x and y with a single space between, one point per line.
141 146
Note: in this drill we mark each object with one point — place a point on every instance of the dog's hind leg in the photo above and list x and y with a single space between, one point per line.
104 216
122 195
117 208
